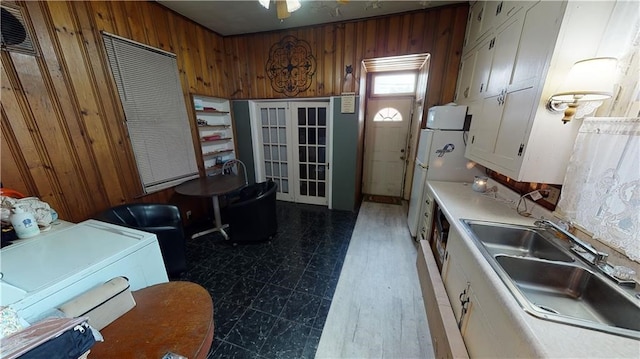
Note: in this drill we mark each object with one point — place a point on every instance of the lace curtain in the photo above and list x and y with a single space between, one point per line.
601 190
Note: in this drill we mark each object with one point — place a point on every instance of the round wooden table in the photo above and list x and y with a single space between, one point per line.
172 317
212 186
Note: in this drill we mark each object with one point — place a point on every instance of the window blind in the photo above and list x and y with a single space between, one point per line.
156 117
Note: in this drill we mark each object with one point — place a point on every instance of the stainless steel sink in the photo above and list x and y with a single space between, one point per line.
551 282
518 241
572 291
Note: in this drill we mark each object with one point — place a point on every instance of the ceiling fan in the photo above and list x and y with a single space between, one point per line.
286 7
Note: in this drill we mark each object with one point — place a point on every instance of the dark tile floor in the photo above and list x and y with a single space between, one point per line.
271 299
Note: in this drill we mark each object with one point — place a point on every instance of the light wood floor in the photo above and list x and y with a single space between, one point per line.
377 309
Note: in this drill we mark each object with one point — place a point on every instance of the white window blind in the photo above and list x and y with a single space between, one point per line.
149 87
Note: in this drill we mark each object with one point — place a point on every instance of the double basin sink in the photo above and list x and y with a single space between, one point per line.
550 281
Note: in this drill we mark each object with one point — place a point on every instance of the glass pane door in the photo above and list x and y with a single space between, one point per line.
273 124
311 139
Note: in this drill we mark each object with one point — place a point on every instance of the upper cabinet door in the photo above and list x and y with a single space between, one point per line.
475 28
504 50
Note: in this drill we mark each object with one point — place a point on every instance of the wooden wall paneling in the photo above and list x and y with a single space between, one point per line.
184 52
360 50
421 32
101 179
149 23
221 67
204 50
327 56
371 36
394 35
18 173
162 28
382 36
194 54
310 34
135 21
12 160
339 73
405 31
260 55
120 20
27 105
111 111
439 56
103 16
455 52
348 57
243 84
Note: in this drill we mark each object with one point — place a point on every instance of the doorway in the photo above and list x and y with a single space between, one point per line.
292 149
385 148
390 78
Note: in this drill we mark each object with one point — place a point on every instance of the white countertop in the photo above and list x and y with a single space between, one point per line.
549 339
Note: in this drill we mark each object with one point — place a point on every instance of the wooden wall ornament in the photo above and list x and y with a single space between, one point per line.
290 66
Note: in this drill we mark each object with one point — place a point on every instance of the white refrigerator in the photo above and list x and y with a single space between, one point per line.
440 156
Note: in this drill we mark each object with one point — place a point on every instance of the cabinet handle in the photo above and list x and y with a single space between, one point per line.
480 15
464 301
481 87
466 92
499 8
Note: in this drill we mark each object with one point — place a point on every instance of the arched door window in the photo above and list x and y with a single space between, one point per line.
387 114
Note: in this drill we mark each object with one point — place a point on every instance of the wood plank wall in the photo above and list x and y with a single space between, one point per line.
439 31
63 137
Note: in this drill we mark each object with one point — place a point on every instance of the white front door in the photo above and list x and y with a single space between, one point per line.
293 149
386 130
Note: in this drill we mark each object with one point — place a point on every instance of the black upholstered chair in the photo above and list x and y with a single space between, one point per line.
161 219
251 213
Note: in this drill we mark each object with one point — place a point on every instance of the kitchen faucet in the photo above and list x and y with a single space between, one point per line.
580 247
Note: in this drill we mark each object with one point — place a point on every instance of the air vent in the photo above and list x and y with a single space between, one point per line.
14 34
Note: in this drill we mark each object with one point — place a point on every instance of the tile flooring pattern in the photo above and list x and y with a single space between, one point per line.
271 299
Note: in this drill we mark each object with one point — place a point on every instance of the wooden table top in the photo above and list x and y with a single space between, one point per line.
172 317
209 186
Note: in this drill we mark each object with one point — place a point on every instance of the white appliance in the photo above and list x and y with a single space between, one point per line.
41 273
440 157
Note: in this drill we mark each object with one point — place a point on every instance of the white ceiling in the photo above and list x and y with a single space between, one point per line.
248 16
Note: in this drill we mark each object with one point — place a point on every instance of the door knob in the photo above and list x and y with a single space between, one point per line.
402 150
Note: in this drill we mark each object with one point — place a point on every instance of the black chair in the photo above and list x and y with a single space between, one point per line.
251 213
161 219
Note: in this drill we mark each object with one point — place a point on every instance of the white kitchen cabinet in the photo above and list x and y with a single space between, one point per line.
486 16
511 131
215 132
426 221
475 328
479 317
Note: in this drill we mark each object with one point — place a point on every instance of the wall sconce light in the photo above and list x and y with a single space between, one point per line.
588 83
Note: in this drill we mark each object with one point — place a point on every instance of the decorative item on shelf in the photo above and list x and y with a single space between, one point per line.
480 184
588 83
212 137
197 104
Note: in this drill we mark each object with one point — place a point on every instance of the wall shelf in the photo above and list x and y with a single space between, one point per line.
212 123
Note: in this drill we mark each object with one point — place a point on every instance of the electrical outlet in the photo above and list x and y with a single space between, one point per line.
188 214
554 195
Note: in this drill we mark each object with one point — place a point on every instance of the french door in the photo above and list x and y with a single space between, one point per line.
293 149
